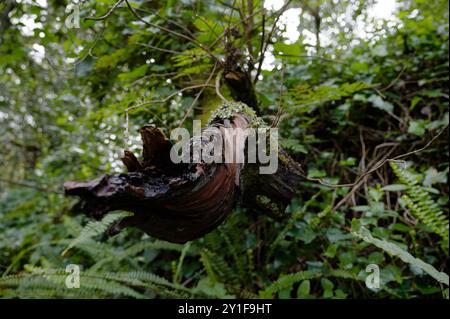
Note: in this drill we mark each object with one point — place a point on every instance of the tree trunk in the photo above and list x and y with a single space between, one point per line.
181 202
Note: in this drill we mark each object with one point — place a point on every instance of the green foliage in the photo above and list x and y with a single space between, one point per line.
363 233
287 281
39 284
95 228
305 95
421 204
370 90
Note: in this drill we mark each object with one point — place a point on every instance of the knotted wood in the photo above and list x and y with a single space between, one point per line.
181 202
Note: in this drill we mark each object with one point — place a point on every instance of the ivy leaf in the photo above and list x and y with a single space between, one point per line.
381 104
432 176
417 128
212 288
394 188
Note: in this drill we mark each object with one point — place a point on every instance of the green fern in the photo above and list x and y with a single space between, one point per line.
305 95
287 281
188 57
95 228
226 271
92 285
193 70
233 244
42 293
226 238
95 249
361 232
421 205
137 248
34 285
177 272
156 283
207 264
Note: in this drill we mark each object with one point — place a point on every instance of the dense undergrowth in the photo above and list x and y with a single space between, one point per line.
347 108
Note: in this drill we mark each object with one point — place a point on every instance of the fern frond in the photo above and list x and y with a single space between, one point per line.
232 246
306 95
92 284
219 267
188 57
96 250
151 281
287 281
137 248
95 228
421 205
361 232
206 261
177 273
42 293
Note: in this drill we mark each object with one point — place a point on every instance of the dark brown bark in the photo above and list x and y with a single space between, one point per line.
241 88
237 77
181 202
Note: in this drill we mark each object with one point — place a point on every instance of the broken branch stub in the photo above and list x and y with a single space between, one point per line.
181 202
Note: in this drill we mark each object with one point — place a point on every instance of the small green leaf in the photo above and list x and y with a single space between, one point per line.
381 104
304 289
394 188
361 208
314 173
327 286
417 128
380 50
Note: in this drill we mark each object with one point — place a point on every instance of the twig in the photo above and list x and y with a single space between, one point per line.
219 75
181 26
263 33
266 43
378 165
180 35
78 61
169 96
395 80
280 105
248 28
197 96
154 75
107 14
422 148
208 26
319 57
363 157
233 26
358 183
127 110
162 49
231 13
231 6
